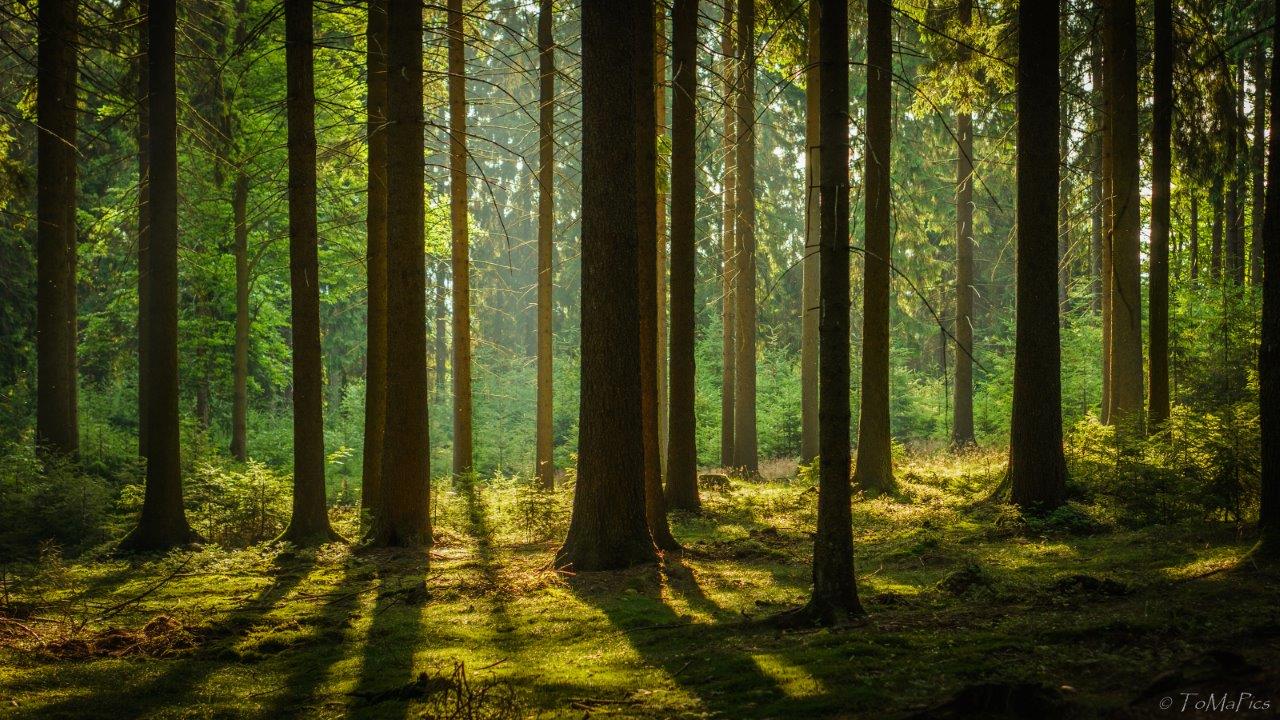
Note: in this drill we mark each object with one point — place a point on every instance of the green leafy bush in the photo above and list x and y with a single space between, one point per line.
49 500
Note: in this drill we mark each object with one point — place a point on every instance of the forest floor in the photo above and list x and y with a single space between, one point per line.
970 610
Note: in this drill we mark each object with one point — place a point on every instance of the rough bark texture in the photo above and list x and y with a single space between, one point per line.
1096 174
375 388
1161 130
1127 394
874 472
405 519
728 237
661 47
144 222
646 274
163 522
1037 469
461 254
1269 350
608 529
1257 159
309 523
56 427
962 433
546 469
744 395
809 296
1108 205
682 452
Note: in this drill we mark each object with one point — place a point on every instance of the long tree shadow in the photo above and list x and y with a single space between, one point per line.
388 669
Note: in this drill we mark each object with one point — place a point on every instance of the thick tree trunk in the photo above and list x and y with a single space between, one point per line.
729 238
744 395
962 433
57 433
1037 469
1161 130
309 524
874 471
646 274
375 377
546 469
462 455
1269 349
809 296
1127 394
682 451
1258 161
405 518
660 262
163 522
144 222
608 529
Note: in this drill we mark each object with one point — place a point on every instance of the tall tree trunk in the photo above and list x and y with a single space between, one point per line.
1127 394
834 597
1096 203
744 395
375 378
1215 246
546 469
660 118
462 455
1258 160
309 524
647 276
809 296
729 238
1238 151
442 323
163 522
1161 130
1037 469
1064 188
1269 349
608 529
405 518
144 221
57 433
1108 62
874 471
682 451
962 433
1194 242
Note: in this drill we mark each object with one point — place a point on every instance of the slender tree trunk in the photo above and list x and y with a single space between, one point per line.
144 221
163 522
1215 247
462 455
608 529
874 471
1258 160
744 396
1108 62
405 518
962 433
660 118
729 238
1161 130
309 523
240 365
809 297
1238 152
834 597
1126 293
682 451
375 383
56 428
1194 242
442 323
647 277
1096 201
1269 349
546 469
1037 469
1064 189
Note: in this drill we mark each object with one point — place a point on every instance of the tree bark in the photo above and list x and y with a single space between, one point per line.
163 522
729 238
57 433
1194 242
811 262
375 378
144 221
1269 349
744 396
1096 195
1108 62
874 471
1037 469
660 261
405 519
1161 131
309 524
1258 161
682 452
1126 292
546 469
962 432
1215 246
462 453
608 529
1238 151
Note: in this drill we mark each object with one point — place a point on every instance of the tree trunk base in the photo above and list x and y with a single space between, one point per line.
144 539
309 537
826 612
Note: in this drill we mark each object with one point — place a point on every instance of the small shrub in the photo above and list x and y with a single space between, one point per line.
48 500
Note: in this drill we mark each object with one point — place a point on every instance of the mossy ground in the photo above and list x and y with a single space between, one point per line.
958 592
